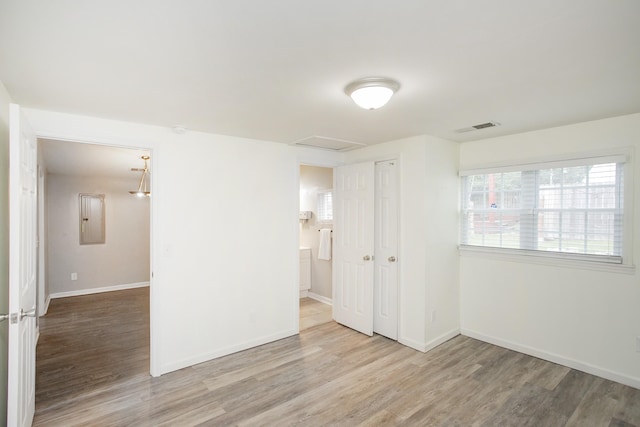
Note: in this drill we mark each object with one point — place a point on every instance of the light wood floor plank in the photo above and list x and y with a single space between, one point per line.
93 370
313 313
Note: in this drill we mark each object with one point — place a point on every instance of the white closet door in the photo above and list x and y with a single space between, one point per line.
385 311
354 247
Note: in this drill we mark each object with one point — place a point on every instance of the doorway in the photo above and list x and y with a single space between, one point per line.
120 260
70 266
316 224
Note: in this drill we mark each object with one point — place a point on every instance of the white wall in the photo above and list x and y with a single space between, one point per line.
216 288
581 318
123 260
5 100
312 179
428 260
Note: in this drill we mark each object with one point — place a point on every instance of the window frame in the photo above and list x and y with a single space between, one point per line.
321 208
624 263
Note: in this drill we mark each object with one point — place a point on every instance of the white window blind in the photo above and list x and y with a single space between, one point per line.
325 206
572 208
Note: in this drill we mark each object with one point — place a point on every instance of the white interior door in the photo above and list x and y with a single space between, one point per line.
22 270
385 300
353 247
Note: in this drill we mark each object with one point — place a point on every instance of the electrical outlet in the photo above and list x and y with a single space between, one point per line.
433 316
638 344
74 276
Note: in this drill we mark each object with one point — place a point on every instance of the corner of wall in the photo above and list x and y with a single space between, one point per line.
428 345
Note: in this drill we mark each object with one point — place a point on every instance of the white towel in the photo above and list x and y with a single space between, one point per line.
324 251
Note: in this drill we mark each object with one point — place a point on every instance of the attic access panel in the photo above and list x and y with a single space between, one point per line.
326 143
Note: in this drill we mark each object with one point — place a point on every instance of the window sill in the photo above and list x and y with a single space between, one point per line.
544 259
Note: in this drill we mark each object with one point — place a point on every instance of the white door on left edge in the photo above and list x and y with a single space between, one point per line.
22 270
353 247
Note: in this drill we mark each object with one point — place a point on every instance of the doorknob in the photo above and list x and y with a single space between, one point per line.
17 317
366 258
30 313
391 259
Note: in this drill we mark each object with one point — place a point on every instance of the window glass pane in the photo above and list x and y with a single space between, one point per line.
601 233
550 177
604 174
574 187
573 210
549 198
511 232
478 200
477 182
602 197
572 232
512 180
510 200
481 225
325 206
549 231
575 175
573 197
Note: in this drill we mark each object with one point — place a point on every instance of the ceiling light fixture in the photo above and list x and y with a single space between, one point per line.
144 180
372 93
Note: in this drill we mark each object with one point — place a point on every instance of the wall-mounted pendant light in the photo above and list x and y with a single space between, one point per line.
142 190
372 93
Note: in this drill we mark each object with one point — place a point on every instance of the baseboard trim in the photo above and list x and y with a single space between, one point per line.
416 345
430 345
442 339
97 290
556 358
46 305
320 298
190 361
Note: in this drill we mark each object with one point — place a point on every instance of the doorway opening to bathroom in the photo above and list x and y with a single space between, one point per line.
316 224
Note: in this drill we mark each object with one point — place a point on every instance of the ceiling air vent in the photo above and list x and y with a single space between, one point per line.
478 127
484 125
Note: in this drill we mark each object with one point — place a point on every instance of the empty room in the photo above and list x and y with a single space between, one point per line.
320 213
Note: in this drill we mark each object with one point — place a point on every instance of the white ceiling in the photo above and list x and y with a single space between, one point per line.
69 158
276 70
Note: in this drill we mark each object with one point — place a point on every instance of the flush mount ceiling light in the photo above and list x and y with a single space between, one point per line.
372 93
144 180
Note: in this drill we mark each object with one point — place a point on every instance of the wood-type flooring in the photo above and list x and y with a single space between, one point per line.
313 313
93 370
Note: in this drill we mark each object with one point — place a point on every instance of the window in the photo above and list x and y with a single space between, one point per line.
325 206
573 208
